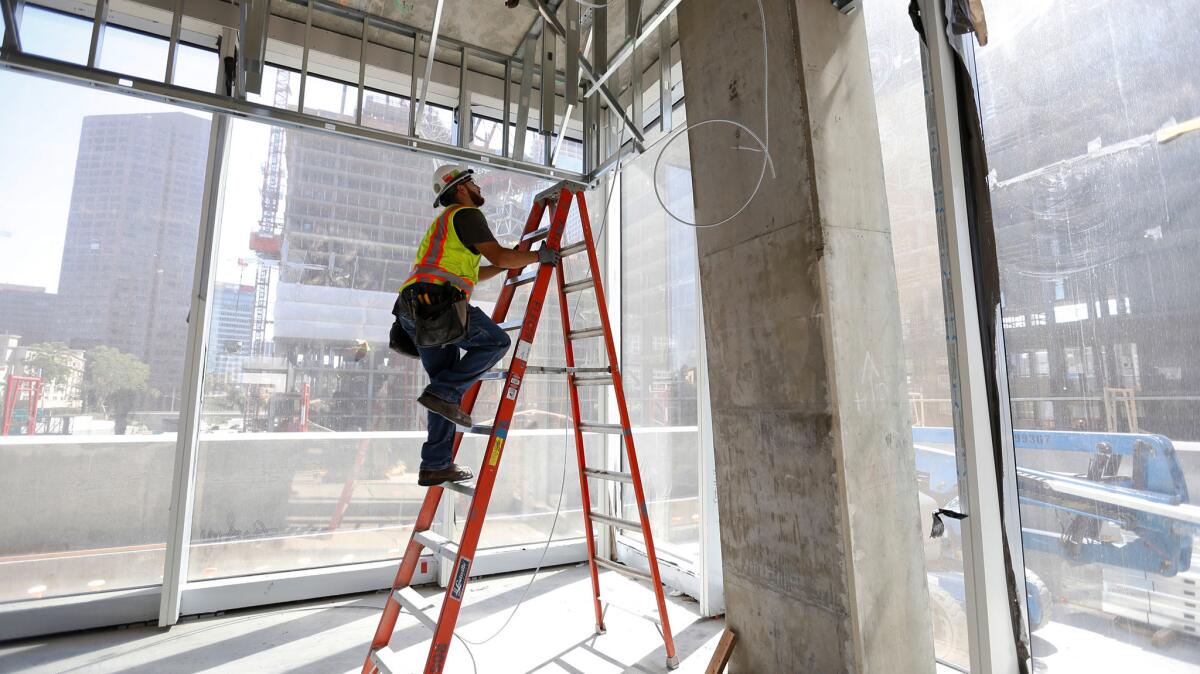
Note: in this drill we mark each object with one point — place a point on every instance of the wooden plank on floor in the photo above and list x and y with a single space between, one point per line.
724 650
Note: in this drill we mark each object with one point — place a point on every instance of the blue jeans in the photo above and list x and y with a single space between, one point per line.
451 373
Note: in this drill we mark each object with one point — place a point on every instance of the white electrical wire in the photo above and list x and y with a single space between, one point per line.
666 141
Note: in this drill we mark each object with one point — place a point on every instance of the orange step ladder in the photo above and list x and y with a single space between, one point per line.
560 198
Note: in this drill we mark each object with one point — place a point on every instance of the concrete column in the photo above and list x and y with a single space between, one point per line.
822 546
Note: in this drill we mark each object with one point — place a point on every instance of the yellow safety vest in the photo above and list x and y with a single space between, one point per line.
443 258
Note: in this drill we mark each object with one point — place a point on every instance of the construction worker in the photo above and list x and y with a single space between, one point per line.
433 301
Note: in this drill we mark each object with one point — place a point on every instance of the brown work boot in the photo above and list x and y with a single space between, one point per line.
451 473
445 408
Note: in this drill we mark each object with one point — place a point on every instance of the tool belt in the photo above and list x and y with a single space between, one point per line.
439 312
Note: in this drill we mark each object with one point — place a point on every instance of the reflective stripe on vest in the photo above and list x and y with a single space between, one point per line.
443 258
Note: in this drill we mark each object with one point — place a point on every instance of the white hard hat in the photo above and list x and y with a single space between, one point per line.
447 177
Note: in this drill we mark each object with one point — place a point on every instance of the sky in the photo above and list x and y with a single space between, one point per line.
40 122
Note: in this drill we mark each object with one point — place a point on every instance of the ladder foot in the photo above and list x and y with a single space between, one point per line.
600 629
673 662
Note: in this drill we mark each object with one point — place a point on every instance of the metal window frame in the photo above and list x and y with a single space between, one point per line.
177 596
183 487
990 631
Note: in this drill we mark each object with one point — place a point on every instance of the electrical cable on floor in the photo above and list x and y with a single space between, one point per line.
665 141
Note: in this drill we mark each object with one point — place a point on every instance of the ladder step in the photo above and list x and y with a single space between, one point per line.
570 250
591 427
576 286
387 661
537 234
492 375
603 380
616 521
514 324
586 333
473 430
627 478
417 605
464 488
522 279
438 544
622 569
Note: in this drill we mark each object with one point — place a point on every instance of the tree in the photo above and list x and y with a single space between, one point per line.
115 381
51 361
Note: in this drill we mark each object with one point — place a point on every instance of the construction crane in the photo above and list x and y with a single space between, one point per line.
267 241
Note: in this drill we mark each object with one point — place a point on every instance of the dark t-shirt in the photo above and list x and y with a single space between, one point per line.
472 228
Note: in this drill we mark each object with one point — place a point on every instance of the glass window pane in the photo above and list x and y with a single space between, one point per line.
661 345
56 35
1089 112
97 258
131 53
196 68
312 434
904 140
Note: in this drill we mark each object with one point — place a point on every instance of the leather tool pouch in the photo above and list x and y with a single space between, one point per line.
439 312
398 339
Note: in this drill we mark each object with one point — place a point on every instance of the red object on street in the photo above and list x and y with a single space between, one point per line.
16 387
382 659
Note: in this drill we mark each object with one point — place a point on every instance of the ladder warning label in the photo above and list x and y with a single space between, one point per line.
523 348
494 456
460 578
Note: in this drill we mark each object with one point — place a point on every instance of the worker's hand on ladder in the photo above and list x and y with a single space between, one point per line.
547 255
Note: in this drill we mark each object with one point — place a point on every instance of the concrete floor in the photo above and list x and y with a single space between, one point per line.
552 632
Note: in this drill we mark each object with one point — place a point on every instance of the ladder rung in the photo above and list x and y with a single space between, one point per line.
522 279
570 250
474 430
546 369
386 661
586 333
627 478
537 234
464 488
621 568
591 427
438 544
615 521
603 380
514 324
576 286
416 605
492 375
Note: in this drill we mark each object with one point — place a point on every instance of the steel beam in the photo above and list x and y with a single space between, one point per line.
506 104
337 9
665 123
464 104
633 15
590 72
13 10
523 101
158 91
429 58
571 90
304 55
173 45
362 72
97 43
546 115
412 88
648 27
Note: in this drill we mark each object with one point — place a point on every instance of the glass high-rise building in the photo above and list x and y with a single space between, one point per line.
129 252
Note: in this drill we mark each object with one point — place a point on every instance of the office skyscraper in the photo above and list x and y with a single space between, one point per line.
130 247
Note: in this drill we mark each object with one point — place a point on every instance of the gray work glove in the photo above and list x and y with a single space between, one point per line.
547 255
